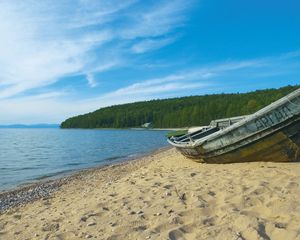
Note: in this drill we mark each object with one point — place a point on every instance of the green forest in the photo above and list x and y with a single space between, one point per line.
178 112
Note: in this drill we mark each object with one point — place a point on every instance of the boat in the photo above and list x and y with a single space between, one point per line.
270 134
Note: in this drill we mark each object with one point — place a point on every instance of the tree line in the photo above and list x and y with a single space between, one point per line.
178 112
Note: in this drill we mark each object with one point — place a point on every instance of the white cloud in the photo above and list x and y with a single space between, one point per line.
198 78
91 80
44 41
157 20
56 106
151 44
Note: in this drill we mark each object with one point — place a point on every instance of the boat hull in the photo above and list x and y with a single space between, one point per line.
280 146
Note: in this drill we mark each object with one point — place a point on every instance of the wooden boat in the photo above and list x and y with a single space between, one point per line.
271 134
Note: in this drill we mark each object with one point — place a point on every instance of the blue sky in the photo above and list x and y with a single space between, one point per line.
68 57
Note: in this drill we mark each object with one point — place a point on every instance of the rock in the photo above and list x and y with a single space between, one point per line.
2 225
105 208
183 197
140 228
83 219
51 227
17 216
211 193
175 220
88 236
193 174
280 225
132 212
140 212
168 193
113 224
158 214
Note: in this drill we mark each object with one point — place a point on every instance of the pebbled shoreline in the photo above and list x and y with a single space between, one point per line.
24 195
44 189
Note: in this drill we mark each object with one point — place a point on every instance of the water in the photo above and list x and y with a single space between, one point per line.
27 155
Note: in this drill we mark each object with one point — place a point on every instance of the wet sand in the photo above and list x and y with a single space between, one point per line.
165 196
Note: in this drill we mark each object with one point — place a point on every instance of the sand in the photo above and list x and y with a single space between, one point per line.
166 196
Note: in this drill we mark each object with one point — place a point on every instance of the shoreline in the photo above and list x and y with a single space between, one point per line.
25 193
164 195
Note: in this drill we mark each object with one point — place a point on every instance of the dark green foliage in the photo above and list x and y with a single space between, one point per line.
178 112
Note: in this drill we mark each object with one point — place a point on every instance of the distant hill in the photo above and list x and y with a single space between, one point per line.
30 126
178 112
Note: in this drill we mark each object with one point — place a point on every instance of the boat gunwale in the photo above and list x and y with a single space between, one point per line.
253 141
284 124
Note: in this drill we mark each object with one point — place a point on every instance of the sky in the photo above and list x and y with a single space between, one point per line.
68 57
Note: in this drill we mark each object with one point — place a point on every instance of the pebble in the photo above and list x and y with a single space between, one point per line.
29 194
132 212
171 211
17 216
113 224
105 208
168 193
175 220
51 227
280 225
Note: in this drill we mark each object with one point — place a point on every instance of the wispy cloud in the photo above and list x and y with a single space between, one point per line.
206 77
151 44
46 46
156 20
45 41
55 106
91 80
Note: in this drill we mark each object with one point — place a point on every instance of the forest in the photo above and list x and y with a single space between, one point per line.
178 112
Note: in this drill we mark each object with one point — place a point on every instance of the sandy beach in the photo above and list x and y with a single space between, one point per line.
165 196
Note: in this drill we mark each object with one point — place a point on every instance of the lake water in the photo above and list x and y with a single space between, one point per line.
27 155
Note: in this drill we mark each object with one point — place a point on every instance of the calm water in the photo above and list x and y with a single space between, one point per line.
27 155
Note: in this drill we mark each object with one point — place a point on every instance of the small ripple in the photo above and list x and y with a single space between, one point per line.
73 164
23 168
49 175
